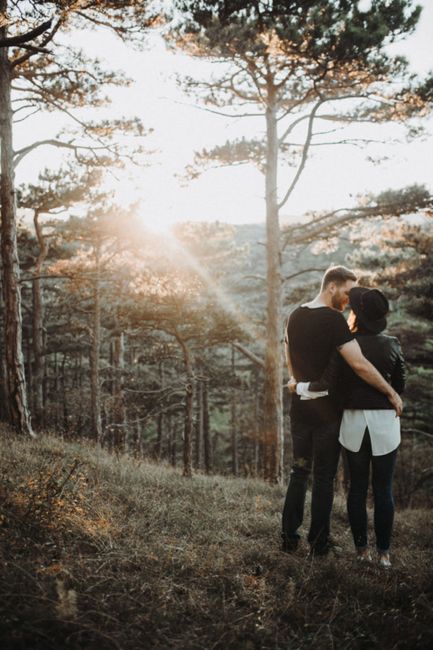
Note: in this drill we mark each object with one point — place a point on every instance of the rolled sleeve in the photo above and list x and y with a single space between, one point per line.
341 331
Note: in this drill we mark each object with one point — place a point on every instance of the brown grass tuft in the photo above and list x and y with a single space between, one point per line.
104 552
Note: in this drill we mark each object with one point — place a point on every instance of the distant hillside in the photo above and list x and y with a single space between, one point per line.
109 552
253 238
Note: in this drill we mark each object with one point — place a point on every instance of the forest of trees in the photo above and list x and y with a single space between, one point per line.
170 347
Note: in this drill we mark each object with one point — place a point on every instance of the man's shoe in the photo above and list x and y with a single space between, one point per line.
363 555
290 544
319 551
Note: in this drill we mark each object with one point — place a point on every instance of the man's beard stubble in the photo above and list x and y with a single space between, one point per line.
337 302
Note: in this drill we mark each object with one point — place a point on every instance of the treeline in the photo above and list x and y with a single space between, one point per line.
153 345
173 347
128 339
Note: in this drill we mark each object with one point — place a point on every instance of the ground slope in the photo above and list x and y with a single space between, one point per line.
105 552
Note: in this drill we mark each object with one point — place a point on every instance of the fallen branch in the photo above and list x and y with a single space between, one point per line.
250 355
418 432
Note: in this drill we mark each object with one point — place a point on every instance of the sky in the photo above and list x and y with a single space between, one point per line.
333 178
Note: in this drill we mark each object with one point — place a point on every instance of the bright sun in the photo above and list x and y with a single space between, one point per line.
157 218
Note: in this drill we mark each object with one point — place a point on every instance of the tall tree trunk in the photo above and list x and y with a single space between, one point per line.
158 443
187 446
160 419
95 388
198 424
18 412
3 382
3 399
273 406
28 362
173 440
257 421
189 408
37 327
55 392
206 429
118 389
64 395
233 420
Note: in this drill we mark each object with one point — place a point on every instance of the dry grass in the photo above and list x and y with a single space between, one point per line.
104 553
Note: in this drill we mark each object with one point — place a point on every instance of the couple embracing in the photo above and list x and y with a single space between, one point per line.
345 380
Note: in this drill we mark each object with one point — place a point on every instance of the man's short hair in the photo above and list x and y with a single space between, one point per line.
337 274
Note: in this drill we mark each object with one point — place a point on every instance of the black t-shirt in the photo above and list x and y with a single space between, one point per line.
313 335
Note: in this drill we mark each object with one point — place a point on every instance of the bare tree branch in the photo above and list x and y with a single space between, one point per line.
308 139
28 36
418 432
294 275
36 50
254 277
329 221
49 37
250 355
221 113
23 119
21 153
45 277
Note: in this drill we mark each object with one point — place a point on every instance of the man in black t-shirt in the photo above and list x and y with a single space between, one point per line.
314 331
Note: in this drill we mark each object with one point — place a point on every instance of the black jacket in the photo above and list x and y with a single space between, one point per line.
349 390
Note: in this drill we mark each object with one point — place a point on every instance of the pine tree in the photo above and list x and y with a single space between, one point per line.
296 64
39 22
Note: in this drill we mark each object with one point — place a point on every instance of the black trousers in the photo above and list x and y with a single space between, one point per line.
315 448
382 473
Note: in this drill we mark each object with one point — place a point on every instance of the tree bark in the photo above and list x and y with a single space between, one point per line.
256 450
121 432
28 362
18 412
187 446
159 427
37 327
160 419
233 420
198 425
273 405
189 408
95 388
3 380
173 440
206 429
64 393
49 389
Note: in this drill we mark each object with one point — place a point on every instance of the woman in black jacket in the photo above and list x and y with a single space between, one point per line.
370 430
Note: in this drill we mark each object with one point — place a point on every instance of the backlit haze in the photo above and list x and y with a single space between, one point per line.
334 175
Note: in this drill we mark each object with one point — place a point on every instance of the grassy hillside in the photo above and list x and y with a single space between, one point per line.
105 552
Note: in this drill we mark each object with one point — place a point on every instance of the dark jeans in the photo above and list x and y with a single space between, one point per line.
315 446
382 472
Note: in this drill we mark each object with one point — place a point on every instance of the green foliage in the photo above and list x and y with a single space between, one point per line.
397 256
124 16
309 30
58 190
64 79
231 153
297 63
